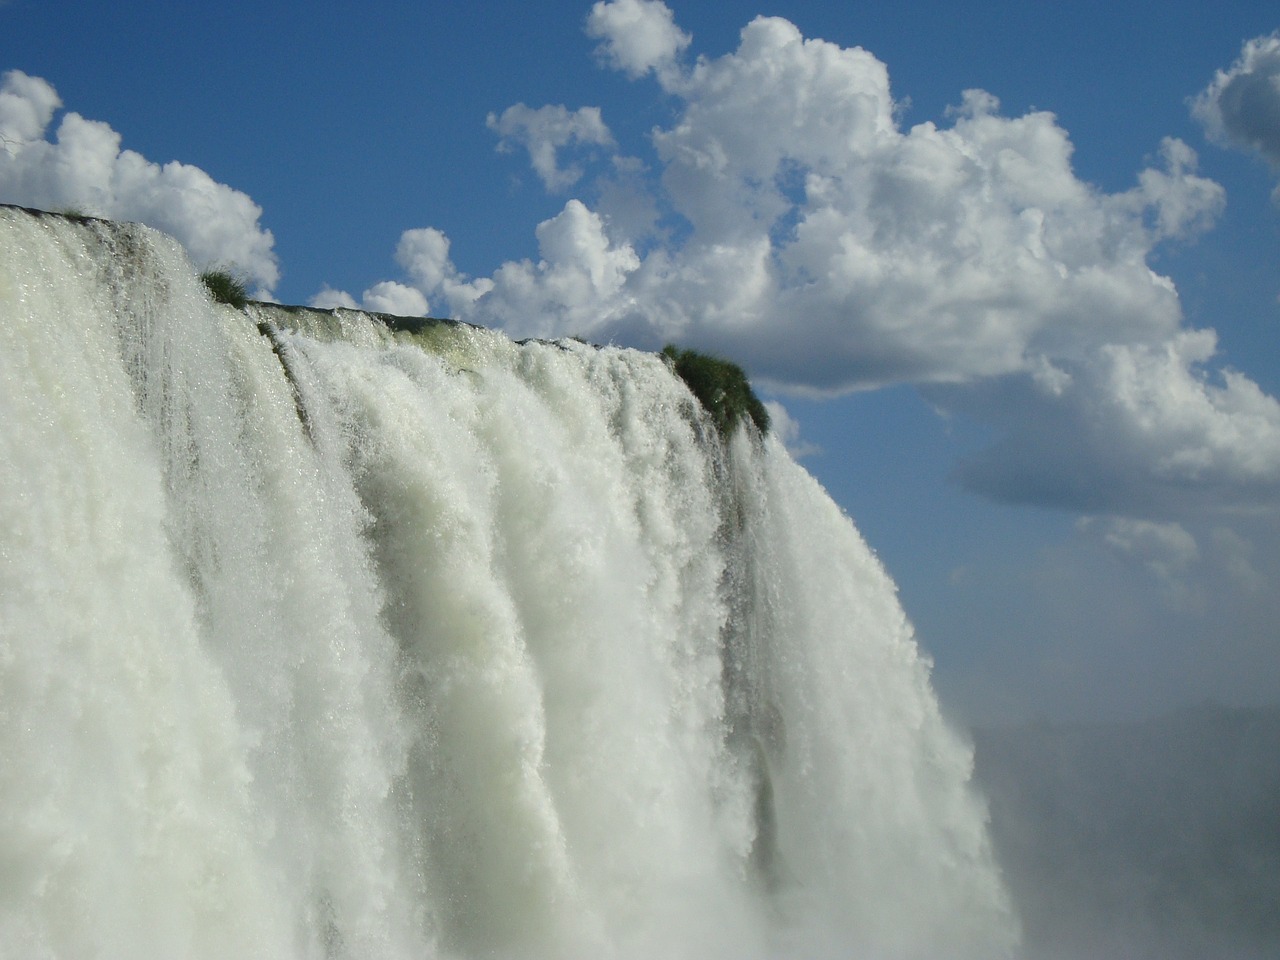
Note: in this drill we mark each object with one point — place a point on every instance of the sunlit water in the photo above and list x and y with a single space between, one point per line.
319 641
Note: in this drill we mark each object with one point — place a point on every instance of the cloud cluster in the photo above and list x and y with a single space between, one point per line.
810 235
84 168
1241 107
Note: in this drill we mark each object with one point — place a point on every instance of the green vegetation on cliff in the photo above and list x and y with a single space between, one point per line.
225 287
720 386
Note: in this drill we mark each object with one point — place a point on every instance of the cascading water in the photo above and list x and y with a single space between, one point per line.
321 640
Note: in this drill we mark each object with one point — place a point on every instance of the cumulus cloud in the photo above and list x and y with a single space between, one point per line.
807 233
84 168
636 35
1241 106
545 132
328 298
578 270
787 429
388 296
395 298
1141 430
27 105
832 250
424 254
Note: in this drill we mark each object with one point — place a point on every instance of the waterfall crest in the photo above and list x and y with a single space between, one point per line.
320 639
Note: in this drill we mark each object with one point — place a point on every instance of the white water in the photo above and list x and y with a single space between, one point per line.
436 647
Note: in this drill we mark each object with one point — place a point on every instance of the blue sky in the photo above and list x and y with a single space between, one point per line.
1026 335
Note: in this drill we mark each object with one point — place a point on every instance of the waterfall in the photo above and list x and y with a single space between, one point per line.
324 637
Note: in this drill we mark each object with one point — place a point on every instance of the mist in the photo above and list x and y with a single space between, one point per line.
1148 840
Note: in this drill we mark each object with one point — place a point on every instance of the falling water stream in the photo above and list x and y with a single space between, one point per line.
324 639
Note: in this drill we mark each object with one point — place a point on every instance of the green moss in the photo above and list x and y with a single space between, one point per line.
226 287
720 386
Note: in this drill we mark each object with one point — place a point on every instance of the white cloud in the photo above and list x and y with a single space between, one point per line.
395 298
807 234
424 254
547 130
830 250
1242 105
1143 430
27 105
385 297
579 278
84 168
560 295
1181 203
779 109
637 35
787 429
329 298
1189 428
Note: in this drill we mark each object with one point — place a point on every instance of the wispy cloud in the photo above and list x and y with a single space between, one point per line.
545 132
